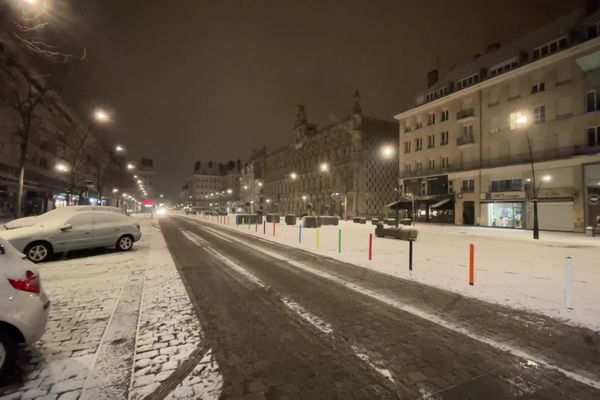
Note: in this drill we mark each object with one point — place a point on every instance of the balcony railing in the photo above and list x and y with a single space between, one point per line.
512 159
469 112
465 139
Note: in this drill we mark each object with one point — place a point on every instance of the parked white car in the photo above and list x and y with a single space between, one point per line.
74 231
29 221
24 306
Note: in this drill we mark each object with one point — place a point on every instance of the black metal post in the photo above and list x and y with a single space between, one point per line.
397 206
536 227
410 254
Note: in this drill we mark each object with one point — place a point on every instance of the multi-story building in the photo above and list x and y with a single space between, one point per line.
213 186
468 145
145 175
251 181
335 170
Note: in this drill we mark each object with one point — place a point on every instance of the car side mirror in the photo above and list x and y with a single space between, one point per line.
66 227
2 250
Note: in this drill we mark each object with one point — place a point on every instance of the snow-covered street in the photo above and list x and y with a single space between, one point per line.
510 268
121 326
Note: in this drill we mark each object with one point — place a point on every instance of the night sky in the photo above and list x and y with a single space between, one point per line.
209 80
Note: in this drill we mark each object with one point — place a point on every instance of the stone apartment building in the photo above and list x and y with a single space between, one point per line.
251 181
464 146
334 170
213 186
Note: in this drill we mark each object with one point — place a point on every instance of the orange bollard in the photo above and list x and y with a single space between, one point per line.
471 264
273 229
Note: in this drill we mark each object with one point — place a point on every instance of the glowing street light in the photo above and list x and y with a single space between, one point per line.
130 166
229 191
245 187
101 116
119 148
324 167
115 190
294 176
547 178
260 184
61 167
387 151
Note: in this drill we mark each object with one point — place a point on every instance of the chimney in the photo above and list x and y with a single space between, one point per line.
432 77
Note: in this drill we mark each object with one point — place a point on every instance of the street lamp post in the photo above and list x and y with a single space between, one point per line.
387 152
522 121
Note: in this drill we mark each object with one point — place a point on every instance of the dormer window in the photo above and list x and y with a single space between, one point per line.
504 66
468 81
549 48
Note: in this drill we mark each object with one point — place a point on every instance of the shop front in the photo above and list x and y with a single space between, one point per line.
503 209
591 175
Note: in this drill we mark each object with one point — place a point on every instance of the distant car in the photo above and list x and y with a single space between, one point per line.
24 306
29 221
74 231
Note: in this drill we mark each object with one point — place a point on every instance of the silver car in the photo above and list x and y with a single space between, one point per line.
30 221
74 231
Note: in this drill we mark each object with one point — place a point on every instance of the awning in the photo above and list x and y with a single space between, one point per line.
402 203
440 203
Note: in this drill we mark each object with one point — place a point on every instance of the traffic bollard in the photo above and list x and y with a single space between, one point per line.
410 255
370 246
339 240
471 264
318 237
300 233
568 279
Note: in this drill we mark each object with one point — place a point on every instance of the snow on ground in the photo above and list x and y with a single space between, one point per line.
91 296
510 267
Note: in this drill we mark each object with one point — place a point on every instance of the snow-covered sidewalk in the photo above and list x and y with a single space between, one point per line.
510 267
120 325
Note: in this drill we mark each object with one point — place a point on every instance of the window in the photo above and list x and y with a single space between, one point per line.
419 122
444 138
468 186
468 81
594 136
550 47
507 185
538 87
444 115
419 166
445 162
430 118
83 219
444 91
591 101
407 168
418 144
539 114
467 130
431 96
431 165
504 66
430 141
407 147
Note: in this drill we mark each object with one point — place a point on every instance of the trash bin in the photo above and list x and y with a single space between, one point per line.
589 231
290 219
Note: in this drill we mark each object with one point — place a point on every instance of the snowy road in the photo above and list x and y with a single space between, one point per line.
283 323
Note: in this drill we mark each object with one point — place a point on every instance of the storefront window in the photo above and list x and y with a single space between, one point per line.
505 215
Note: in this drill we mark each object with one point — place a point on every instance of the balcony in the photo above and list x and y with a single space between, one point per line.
559 153
464 114
465 139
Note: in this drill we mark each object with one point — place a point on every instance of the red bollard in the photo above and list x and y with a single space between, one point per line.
370 246
471 264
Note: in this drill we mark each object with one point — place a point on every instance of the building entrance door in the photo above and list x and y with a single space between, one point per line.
469 213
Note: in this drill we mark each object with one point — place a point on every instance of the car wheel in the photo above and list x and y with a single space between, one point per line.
125 243
8 353
38 252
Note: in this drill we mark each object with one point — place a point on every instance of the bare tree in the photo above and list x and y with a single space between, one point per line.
25 96
104 167
77 153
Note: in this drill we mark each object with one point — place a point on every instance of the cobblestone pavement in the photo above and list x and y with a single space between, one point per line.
283 323
121 324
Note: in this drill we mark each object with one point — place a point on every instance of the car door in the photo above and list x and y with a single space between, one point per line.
80 233
109 226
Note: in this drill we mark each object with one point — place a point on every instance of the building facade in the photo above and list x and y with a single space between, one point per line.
468 145
252 181
334 170
213 187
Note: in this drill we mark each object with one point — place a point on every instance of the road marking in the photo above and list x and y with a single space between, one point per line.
317 322
235 266
362 354
192 237
517 352
216 233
